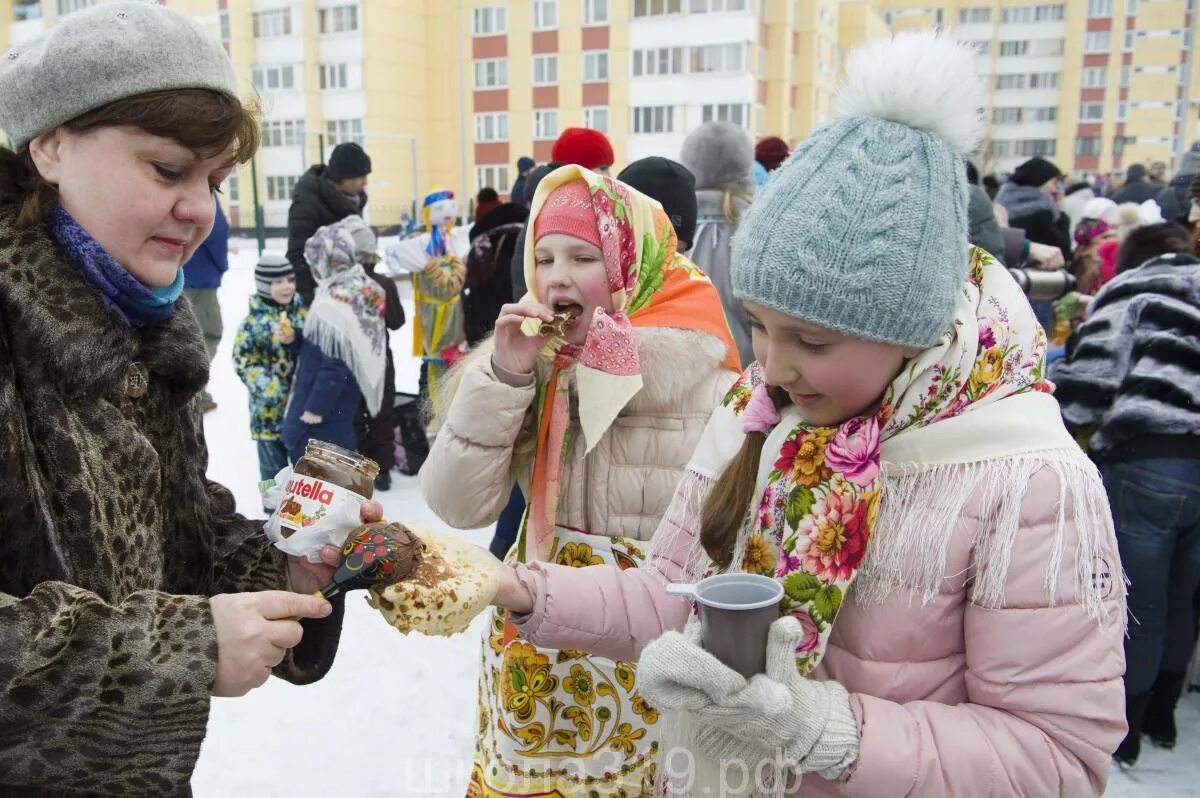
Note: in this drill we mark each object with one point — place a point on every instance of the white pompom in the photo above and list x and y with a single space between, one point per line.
924 80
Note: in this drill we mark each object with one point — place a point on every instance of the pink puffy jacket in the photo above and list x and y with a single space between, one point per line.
951 698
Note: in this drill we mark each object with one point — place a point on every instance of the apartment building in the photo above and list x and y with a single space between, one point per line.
1095 85
449 93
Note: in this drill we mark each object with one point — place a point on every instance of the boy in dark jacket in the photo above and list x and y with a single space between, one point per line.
202 277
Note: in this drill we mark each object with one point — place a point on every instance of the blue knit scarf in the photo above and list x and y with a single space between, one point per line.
133 302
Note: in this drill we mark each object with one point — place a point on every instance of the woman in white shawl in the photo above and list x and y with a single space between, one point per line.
344 355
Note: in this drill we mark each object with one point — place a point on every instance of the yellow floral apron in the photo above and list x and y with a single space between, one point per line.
560 724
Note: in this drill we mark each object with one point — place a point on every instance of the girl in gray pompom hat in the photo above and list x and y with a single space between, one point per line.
894 469
130 590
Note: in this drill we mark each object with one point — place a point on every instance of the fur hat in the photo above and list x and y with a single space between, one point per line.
720 155
675 189
103 54
584 147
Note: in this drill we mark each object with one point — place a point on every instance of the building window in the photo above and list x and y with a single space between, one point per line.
545 14
545 124
71 6
1052 13
705 6
491 127
491 73
999 149
1028 148
272 78
656 8
279 188
1006 116
1012 48
718 58
231 188
492 177
967 16
340 19
342 130
1094 77
1100 8
1047 47
654 119
491 21
595 66
1129 41
595 12
1043 80
283 133
596 118
1125 74
226 35
1122 111
1087 146
273 23
1097 41
545 70
980 46
736 113
1016 14
1004 82
663 61
1091 112
334 76
1048 113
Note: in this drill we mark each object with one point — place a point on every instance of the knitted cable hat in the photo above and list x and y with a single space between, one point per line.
864 228
270 267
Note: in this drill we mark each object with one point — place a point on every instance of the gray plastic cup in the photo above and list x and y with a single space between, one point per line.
736 613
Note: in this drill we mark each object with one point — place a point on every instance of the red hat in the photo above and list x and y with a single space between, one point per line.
568 210
583 147
771 152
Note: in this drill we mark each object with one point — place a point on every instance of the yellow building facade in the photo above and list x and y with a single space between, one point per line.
450 93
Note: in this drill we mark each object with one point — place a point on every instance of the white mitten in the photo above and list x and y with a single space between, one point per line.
803 724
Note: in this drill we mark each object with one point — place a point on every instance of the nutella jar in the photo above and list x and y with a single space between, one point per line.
321 499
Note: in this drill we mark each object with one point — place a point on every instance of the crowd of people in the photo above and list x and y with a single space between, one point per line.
809 364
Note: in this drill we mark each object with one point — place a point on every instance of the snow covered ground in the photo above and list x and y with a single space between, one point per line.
395 717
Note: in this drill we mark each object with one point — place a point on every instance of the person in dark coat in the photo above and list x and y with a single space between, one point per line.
325 194
131 591
1033 198
1138 187
525 165
488 287
518 258
201 279
1173 199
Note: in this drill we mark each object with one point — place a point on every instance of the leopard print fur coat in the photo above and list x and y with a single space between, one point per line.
111 540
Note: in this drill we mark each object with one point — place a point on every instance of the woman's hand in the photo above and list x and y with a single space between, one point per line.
309 577
310 418
512 594
254 632
515 351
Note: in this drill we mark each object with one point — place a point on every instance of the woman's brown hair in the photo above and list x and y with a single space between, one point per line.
729 501
204 121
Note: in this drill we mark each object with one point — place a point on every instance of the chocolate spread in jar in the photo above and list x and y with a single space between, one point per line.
319 476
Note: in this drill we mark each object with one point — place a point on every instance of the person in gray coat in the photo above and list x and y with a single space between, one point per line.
721 156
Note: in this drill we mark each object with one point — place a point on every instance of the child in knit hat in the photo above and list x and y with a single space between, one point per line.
591 395
953 609
264 355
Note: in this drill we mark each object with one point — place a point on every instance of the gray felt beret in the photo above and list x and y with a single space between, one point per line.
102 55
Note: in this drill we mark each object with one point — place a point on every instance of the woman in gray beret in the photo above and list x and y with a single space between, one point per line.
130 590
